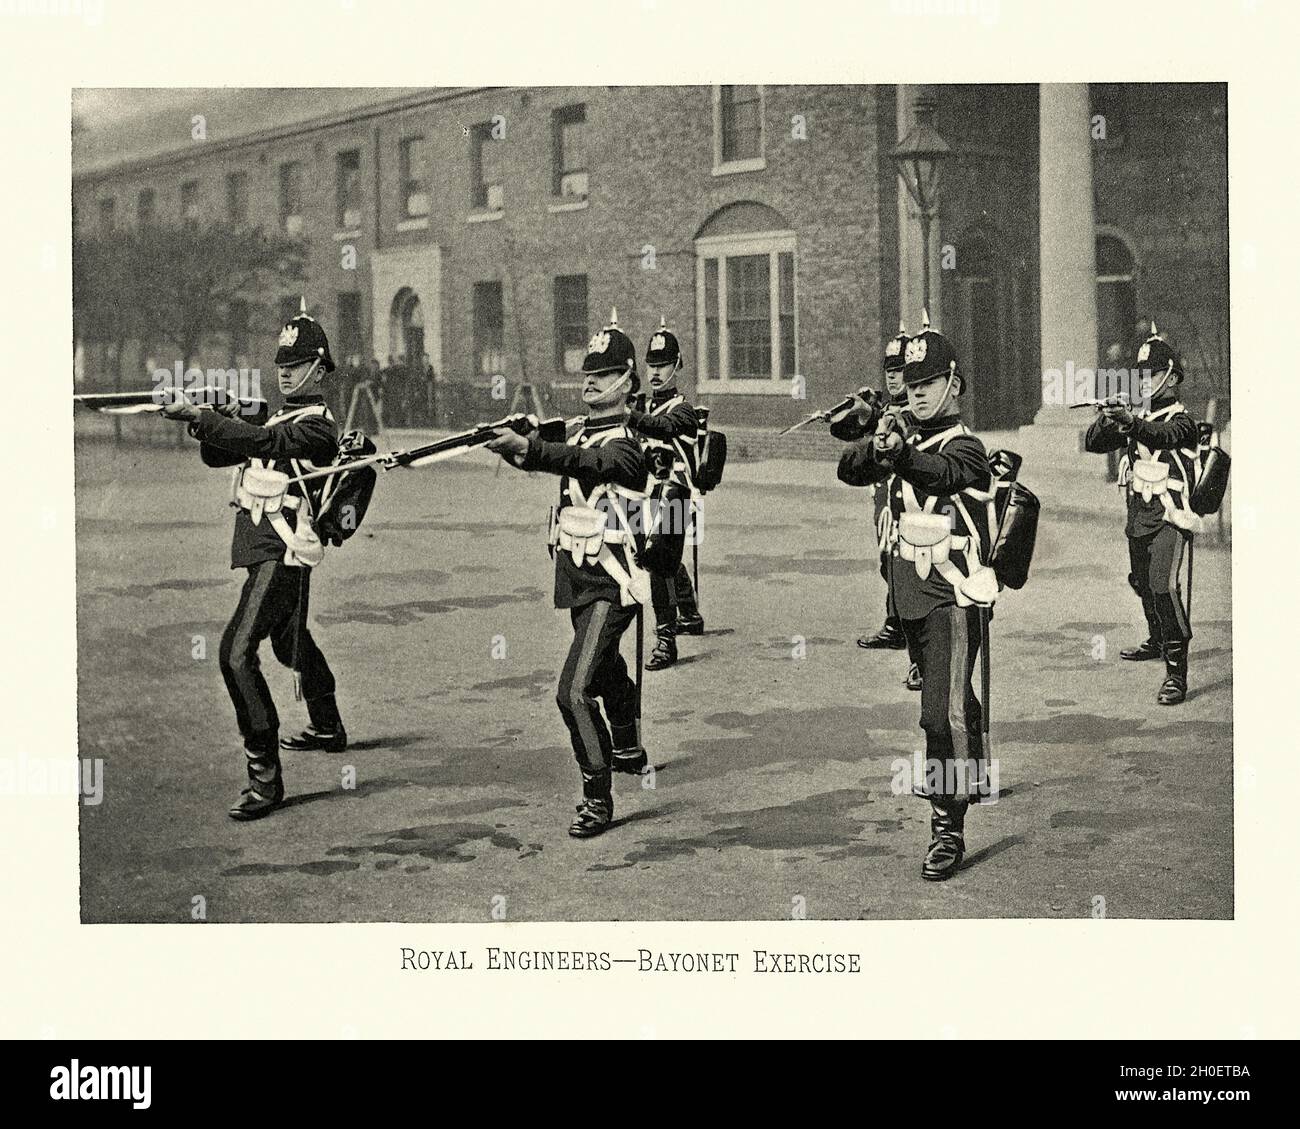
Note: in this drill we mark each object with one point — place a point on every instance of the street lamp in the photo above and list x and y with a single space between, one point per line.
919 156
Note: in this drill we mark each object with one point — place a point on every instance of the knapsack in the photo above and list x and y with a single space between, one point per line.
1016 509
711 450
1212 477
346 497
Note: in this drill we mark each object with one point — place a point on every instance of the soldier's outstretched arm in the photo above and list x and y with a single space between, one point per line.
963 463
312 437
859 466
619 461
1166 434
1104 435
673 424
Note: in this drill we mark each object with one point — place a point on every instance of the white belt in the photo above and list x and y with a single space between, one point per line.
261 491
1149 478
583 533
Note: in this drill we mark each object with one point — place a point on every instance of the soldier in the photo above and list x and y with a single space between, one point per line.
275 542
595 537
938 544
668 428
1160 441
848 428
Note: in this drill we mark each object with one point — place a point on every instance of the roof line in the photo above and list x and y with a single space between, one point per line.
273 133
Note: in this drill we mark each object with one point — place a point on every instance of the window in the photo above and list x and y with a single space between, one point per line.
106 209
737 129
489 329
1116 300
237 197
291 197
350 331
570 322
144 207
413 163
487 188
347 190
190 205
569 160
747 317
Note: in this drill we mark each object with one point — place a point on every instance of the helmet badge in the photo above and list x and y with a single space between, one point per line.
289 335
915 350
599 343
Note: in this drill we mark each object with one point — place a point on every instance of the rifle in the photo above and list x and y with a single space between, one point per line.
550 430
136 403
1119 400
869 394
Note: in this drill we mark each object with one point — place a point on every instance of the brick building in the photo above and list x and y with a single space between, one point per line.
493 228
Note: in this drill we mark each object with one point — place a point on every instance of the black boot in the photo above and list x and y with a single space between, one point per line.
1144 652
597 808
913 681
664 654
947 842
888 638
689 621
1174 688
265 791
313 738
633 761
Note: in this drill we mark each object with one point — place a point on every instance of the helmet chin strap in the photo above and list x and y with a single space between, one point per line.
624 379
306 377
947 391
1169 371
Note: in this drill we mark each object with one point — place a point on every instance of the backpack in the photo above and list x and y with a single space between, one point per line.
711 454
346 497
1213 465
1016 508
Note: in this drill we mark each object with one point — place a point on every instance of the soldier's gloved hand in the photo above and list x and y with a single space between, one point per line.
887 444
1120 414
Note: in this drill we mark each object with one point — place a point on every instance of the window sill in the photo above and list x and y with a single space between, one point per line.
568 206
748 164
415 223
339 236
485 217
756 387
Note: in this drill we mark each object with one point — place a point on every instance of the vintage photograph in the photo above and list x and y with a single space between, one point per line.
653 503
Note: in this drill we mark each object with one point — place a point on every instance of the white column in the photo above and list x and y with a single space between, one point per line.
1067 240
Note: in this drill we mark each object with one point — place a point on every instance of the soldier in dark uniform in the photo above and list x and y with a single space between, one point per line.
1158 472
275 542
595 535
848 426
669 429
939 544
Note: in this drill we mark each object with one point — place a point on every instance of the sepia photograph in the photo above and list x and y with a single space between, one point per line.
653 502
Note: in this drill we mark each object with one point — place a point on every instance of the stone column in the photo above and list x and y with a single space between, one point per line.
1067 247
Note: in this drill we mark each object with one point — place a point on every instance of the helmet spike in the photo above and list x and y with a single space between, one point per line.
1154 331
902 329
613 317
302 303
925 319
663 322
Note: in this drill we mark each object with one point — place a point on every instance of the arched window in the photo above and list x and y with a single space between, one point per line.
747 323
1116 299
406 326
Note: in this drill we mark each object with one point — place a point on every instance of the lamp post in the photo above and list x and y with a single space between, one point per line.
919 156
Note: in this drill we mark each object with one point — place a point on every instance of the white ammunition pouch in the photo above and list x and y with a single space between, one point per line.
582 530
262 491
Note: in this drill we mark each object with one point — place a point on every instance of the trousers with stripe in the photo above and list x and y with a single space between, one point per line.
269 608
1155 561
594 674
945 644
